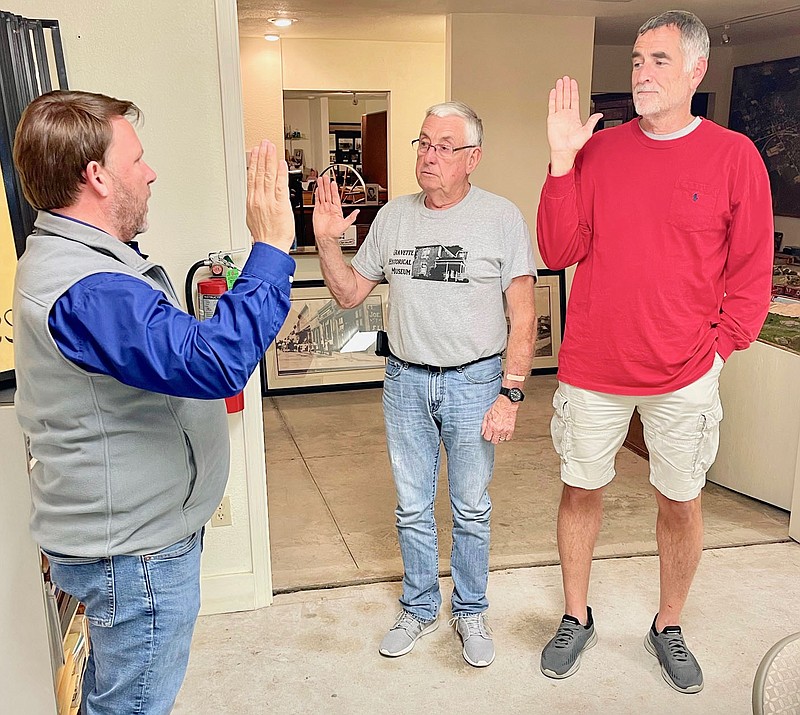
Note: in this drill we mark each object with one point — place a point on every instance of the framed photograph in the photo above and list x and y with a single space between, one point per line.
373 194
322 345
765 99
358 143
550 295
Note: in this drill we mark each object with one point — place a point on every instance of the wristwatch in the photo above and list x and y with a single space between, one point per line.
513 393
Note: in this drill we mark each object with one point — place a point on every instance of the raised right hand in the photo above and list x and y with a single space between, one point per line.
565 133
269 211
329 221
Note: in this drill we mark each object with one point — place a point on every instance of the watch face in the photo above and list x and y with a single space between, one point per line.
515 394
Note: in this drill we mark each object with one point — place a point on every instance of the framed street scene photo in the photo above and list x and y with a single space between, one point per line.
550 295
321 344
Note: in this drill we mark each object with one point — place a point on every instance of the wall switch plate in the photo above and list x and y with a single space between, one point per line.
222 514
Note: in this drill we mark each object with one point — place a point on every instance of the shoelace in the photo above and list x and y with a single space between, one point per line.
405 621
476 625
566 634
677 646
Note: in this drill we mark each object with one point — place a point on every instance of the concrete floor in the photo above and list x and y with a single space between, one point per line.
331 496
331 507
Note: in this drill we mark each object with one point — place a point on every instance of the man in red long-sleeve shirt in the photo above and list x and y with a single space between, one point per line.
669 220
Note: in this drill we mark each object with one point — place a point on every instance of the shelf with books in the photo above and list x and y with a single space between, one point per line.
68 632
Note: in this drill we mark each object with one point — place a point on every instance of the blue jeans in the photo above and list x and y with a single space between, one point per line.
422 410
141 612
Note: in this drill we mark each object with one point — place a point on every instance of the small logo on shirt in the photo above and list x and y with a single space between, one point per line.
695 196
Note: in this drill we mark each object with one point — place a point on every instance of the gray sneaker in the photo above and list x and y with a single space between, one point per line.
561 657
404 634
678 666
476 637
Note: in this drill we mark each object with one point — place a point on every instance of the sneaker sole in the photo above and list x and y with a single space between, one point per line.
650 648
478 664
591 643
396 654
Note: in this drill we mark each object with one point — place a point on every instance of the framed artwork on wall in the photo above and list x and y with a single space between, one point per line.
550 295
765 106
322 345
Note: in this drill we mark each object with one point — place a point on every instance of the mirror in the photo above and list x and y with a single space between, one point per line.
339 134
343 133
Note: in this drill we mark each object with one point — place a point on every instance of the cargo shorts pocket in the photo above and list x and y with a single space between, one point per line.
707 442
561 427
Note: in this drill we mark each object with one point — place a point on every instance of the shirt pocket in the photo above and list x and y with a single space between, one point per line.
692 205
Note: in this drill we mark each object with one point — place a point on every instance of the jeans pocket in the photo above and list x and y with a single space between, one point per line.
561 426
393 368
176 550
483 372
91 581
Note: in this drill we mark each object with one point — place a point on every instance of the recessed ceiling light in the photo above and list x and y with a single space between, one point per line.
272 38
282 21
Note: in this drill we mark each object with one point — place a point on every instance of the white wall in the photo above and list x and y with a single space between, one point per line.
26 680
164 57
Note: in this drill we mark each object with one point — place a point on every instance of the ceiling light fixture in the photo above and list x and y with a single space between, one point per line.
272 38
282 21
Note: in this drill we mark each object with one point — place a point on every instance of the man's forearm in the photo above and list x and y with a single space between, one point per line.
338 275
519 354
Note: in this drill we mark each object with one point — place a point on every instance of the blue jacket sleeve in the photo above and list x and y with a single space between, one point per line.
118 325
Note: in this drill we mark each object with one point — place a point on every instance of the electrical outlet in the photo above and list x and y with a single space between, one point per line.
222 514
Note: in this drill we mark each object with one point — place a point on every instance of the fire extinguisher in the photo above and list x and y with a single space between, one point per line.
209 291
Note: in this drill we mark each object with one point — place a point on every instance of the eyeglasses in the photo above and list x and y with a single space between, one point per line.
445 151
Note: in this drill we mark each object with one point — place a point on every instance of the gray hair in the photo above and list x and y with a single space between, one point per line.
472 122
694 35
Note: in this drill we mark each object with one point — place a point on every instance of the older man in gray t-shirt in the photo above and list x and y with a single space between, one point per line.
450 255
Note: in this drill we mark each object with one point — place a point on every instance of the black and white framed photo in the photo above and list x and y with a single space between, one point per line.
373 194
322 345
550 295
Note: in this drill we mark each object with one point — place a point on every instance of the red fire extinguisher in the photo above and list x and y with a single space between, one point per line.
209 292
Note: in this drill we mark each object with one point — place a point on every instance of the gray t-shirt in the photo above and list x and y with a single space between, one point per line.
447 271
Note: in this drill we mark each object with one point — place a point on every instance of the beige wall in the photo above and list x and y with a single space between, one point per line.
174 78
504 67
412 72
262 90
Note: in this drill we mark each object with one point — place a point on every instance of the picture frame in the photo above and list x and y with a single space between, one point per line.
764 102
373 194
321 345
550 297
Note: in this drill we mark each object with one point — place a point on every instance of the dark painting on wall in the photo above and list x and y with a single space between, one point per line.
765 105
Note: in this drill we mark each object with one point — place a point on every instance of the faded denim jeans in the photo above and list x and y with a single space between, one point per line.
141 612
422 410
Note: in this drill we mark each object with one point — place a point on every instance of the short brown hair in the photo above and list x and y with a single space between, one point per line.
58 135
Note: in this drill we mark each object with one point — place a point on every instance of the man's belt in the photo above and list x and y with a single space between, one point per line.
438 368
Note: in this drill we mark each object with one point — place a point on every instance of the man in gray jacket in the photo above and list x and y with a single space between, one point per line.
119 390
